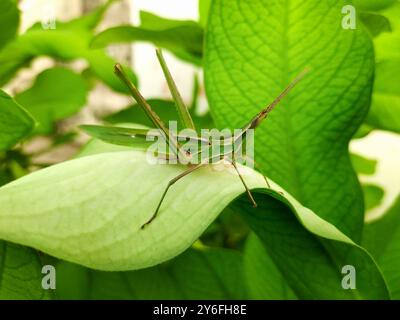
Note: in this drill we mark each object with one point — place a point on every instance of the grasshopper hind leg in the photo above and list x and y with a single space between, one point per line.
251 198
266 181
257 167
170 184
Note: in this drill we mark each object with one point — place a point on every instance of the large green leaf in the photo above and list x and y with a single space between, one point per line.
304 144
183 38
90 211
382 239
9 20
56 94
15 122
20 273
196 274
310 265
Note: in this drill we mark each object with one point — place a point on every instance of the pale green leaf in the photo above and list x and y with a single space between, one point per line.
90 211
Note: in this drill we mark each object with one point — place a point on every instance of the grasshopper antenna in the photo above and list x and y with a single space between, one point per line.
254 123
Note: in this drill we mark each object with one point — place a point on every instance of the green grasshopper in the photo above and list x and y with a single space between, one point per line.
182 154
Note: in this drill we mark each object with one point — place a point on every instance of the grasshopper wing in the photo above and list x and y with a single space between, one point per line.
130 137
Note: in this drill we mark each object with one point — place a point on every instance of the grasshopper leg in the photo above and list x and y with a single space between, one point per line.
257 167
245 185
170 184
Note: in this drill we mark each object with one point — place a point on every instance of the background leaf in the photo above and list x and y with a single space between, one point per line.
183 38
385 109
20 273
164 108
91 19
376 23
263 278
304 144
196 274
373 5
70 41
387 45
382 239
363 165
15 122
204 9
56 94
311 265
9 19
373 196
